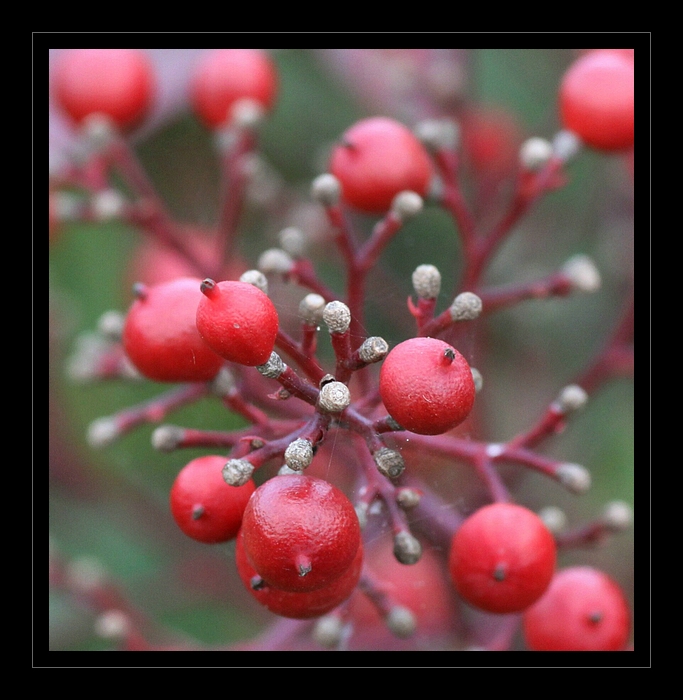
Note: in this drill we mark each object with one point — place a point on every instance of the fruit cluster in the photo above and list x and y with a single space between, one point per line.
335 522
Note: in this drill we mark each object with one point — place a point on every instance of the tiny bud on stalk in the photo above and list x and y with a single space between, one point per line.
427 281
571 398
535 153
466 307
401 622
326 190
311 309
582 273
273 368
334 397
389 462
275 261
373 350
575 477
617 516
553 518
407 549
237 472
299 454
255 278
406 205
166 438
337 317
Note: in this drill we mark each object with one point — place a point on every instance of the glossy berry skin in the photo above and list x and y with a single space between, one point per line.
502 558
119 83
237 321
376 159
298 605
160 335
582 610
596 99
203 505
426 385
225 76
300 533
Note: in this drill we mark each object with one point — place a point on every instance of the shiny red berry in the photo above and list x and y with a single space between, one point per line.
225 76
582 610
502 558
426 386
597 98
300 533
299 605
160 334
203 505
238 321
376 159
118 83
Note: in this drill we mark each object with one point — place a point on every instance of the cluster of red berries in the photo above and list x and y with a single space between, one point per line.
298 538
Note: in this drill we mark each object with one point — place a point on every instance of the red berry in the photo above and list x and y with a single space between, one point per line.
227 75
299 605
582 610
238 321
300 533
377 159
160 334
204 506
116 82
597 99
426 386
502 558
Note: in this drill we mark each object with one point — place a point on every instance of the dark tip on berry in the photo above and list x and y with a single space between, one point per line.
257 583
207 285
499 573
140 290
449 355
197 512
595 617
346 143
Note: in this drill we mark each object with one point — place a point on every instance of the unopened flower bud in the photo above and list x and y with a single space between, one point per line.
406 205
437 134
293 241
237 472
256 278
107 205
329 631
337 317
407 549
571 398
582 273
407 498
247 113
466 307
326 189
427 281
311 309
99 130
574 477
535 153
373 349
401 621
566 145
299 454
477 379
389 462
618 515
273 368
166 438
112 624
334 397
102 432
553 518
110 324
223 384
275 261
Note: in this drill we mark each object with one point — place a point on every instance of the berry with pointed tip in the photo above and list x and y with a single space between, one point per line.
226 76
203 505
582 610
502 558
300 532
237 321
301 605
426 385
118 83
160 335
376 160
597 99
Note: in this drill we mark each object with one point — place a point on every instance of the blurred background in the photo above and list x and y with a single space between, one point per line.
109 508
